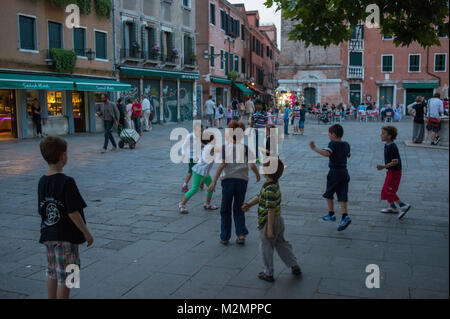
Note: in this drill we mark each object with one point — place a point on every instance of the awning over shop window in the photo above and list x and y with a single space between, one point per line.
220 80
100 85
34 82
257 90
42 82
420 85
243 88
159 73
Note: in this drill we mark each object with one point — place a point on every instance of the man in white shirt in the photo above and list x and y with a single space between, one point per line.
209 112
146 111
435 109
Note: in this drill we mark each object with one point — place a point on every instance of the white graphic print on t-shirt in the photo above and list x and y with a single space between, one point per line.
52 209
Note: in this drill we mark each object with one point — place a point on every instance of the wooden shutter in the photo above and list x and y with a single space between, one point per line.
144 39
152 38
186 49
231 63
163 47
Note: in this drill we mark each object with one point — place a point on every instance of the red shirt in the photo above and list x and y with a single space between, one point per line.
137 109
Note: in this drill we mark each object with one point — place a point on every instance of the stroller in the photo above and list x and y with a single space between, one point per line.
127 136
323 117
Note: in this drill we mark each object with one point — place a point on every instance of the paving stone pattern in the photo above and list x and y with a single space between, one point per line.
145 249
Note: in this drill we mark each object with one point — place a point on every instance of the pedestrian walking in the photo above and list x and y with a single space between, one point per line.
136 115
249 109
122 111
258 121
337 179
287 115
110 114
129 109
393 165
63 225
209 112
36 112
271 225
146 111
219 114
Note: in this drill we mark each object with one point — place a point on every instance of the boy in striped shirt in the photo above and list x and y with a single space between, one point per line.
271 224
258 122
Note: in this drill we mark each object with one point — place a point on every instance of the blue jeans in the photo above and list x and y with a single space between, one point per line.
233 193
108 134
286 126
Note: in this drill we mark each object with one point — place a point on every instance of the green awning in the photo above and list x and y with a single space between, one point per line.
243 88
420 85
53 82
220 80
159 73
100 85
34 82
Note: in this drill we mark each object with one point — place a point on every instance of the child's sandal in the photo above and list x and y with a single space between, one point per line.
182 209
210 207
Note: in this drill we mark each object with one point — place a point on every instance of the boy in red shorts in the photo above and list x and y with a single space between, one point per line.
63 226
393 164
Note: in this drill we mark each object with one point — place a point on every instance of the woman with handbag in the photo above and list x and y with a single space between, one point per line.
435 109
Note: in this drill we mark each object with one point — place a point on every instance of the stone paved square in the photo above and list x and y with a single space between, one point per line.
144 248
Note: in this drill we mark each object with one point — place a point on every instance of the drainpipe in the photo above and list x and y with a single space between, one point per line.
433 75
114 37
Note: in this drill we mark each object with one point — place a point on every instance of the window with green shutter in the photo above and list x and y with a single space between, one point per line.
414 63
236 63
221 59
387 63
231 62
226 61
100 45
440 63
54 35
212 13
186 48
356 58
27 27
212 56
243 32
243 65
79 41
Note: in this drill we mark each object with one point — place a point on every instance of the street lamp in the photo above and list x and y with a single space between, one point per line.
90 54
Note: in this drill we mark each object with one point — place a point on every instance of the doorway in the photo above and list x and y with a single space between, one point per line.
386 96
310 96
8 115
79 114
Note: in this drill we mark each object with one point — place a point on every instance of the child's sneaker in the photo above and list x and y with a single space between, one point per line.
404 210
185 189
329 217
296 271
344 223
265 277
390 210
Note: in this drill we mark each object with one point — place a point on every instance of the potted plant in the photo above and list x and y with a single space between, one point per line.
233 75
155 51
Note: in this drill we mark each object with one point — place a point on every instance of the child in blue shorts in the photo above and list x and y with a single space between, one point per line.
337 180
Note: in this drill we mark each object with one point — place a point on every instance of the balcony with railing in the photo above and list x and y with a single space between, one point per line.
355 72
131 54
190 62
151 57
356 45
170 60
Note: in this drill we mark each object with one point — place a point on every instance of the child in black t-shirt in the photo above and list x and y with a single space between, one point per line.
63 226
337 179
393 164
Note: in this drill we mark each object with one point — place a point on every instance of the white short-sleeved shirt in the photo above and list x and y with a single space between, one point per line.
203 167
436 106
145 104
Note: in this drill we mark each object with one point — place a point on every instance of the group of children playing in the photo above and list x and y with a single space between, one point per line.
63 226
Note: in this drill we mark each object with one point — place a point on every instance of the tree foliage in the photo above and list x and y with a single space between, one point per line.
64 60
326 22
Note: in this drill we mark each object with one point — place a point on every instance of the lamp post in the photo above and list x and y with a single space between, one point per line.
90 55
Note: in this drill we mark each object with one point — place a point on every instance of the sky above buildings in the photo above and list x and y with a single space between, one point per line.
267 15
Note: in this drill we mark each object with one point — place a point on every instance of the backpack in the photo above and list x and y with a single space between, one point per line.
220 110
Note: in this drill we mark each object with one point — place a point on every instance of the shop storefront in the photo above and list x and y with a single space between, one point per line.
171 93
67 103
241 91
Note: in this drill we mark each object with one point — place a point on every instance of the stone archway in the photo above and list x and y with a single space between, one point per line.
311 87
